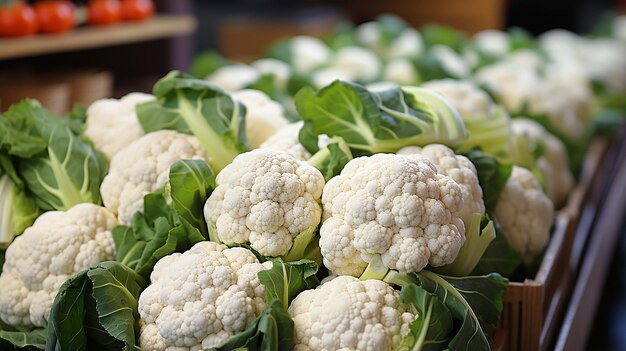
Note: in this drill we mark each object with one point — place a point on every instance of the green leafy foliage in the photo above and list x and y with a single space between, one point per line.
492 176
435 34
97 309
167 226
12 338
432 330
286 280
273 329
331 159
206 63
475 301
197 107
58 168
378 122
499 257
191 183
17 210
477 239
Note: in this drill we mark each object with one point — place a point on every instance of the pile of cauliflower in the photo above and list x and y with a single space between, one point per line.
410 210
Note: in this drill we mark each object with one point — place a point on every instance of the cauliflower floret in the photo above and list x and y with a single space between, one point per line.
554 163
360 64
471 102
263 115
325 76
400 71
200 298
525 213
459 168
517 87
308 53
492 42
57 246
234 77
112 124
265 198
348 314
143 167
451 62
279 69
396 206
407 44
286 140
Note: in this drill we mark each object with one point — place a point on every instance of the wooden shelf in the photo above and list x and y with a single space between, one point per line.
159 27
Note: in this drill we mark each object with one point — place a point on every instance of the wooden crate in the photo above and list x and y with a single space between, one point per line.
533 309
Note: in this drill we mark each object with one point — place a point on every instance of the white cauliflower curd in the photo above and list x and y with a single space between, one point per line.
112 124
525 213
348 314
396 206
143 167
200 298
263 115
267 199
57 246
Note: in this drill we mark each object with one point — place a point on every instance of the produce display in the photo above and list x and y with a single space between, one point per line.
373 190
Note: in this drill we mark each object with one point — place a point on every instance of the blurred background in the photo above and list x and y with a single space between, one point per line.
111 59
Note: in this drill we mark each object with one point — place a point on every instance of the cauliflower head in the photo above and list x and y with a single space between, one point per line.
234 77
492 42
525 213
401 71
112 124
286 140
518 87
471 102
200 298
395 206
267 199
348 314
263 115
57 246
143 167
308 53
460 169
358 63
553 164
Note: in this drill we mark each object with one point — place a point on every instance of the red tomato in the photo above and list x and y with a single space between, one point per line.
17 20
137 10
103 12
55 16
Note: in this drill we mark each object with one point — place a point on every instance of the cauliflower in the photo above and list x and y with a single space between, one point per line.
263 115
492 42
308 53
408 43
286 140
348 314
452 63
460 169
112 124
471 102
279 69
200 298
234 77
267 199
57 246
525 213
143 167
359 64
553 164
400 71
396 206
519 88
325 76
